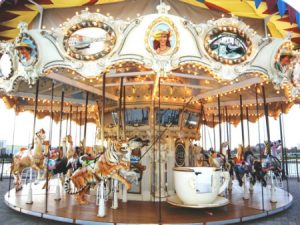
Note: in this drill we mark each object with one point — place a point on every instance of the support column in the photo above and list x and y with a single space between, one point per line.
220 128
49 147
242 122
85 118
260 150
103 110
29 194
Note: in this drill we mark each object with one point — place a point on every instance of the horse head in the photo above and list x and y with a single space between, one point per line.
267 150
40 136
69 139
136 142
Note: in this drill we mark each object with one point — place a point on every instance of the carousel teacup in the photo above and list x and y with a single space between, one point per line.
199 185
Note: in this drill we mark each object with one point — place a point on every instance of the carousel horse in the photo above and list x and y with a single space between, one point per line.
114 163
57 164
107 166
33 158
228 164
269 163
133 156
243 164
201 157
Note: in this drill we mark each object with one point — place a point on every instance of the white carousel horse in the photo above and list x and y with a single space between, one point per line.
131 174
33 158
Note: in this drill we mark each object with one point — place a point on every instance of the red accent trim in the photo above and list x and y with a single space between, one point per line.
6 16
293 29
5 28
4 38
284 19
296 40
215 7
91 2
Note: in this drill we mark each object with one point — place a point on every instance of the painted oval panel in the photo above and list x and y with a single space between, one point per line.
228 45
27 50
162 37
89 41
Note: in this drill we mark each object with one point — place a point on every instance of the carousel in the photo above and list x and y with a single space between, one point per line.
150 84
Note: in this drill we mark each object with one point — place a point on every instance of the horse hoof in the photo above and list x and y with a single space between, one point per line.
84 202
19 189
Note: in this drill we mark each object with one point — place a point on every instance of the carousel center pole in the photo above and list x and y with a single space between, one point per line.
103 110
76 118
159 154
80 127
124 118
220 127
228 134
260 150
248 127
246 195
102 207
266 110
120 108
49 147
85 119
285 171
12 152
70 117
242 121
57 190
214 133
248 132
29 195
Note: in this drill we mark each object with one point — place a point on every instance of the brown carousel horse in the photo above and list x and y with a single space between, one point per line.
33 158
106 166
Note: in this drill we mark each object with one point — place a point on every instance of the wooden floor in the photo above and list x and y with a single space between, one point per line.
137 212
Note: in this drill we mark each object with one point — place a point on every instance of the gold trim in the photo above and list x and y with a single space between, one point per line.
170 23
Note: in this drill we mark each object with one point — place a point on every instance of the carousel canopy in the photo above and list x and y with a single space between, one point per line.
280 16
209 64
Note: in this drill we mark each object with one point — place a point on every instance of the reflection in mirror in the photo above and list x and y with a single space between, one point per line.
228 45
89 40
191 120
133 117
5 65
167 116
136 116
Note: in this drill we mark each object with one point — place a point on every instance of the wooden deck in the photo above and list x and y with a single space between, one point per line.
137 212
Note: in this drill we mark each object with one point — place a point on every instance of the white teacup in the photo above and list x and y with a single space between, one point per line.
199 185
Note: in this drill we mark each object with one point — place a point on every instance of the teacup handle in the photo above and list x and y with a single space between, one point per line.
226 176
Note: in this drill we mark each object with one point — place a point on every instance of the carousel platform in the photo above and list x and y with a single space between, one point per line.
138 212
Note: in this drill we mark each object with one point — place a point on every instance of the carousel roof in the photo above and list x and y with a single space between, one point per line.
281 16
209 58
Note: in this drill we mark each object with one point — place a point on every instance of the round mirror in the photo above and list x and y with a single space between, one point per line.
228 45
89 40
5 65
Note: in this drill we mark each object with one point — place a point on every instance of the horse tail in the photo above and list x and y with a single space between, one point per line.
68 187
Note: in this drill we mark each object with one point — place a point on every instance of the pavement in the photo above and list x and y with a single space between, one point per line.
290 216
